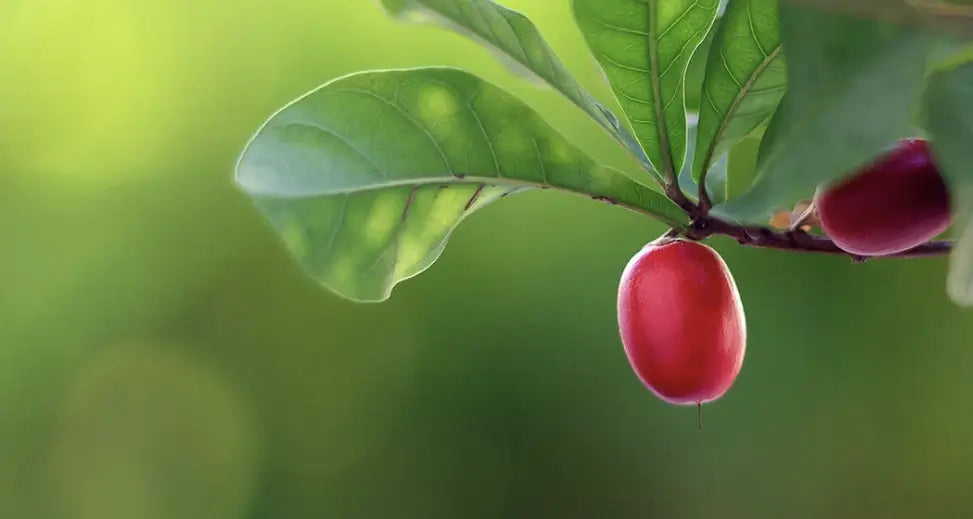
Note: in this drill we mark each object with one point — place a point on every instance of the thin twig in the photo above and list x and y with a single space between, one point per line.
798 241
674 193
705 204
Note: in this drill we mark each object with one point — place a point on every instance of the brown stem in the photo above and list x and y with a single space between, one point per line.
674 193
705 226
705 204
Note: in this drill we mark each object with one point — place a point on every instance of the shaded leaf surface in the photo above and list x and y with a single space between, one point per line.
517 38
366 177
853 85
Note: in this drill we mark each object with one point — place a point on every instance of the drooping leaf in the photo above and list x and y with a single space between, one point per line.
366 177
644 47
948 108
853 85
745 79
517 38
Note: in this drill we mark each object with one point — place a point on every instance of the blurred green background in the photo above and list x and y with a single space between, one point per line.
162 357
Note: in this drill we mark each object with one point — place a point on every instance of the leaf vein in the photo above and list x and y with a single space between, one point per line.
753 31
737 100
677 20
618 28
486 136
343 139
621 65
540 161
411 119
338 225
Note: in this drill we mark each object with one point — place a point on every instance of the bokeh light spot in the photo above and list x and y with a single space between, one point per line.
150 433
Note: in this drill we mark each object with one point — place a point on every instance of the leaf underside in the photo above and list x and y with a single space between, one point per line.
366 177
644 48
517 39
852 88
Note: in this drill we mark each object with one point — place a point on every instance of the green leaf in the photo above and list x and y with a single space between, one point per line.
953 16
742 164
517 38
948 111
716 181
852 88
366 177
745 79
696 70
395 7
644 47
695 73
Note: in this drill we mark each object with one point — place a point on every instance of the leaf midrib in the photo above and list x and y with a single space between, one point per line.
668 167
737 100
469 179
570 89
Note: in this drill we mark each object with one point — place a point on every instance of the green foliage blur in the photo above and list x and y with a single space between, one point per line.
162 357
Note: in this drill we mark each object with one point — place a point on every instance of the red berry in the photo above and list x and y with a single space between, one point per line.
681 321
896 203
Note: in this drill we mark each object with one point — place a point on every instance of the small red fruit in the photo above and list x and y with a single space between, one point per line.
681 321
898 202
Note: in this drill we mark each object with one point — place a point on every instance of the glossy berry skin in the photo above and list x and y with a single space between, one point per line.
898 202
681 321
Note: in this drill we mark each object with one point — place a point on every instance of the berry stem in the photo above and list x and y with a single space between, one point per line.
675 193
705 203
704 226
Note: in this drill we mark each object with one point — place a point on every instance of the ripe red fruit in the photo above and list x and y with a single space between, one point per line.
896 203
681 321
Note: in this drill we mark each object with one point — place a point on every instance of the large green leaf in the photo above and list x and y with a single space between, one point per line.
366 177
745 79
948 111
644 47
517 38
853 85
